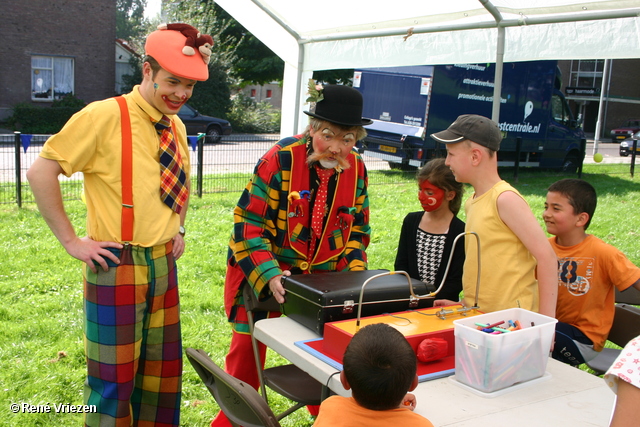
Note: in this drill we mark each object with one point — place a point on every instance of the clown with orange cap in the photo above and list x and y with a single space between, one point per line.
134 155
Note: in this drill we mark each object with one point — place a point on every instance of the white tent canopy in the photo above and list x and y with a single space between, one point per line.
332 34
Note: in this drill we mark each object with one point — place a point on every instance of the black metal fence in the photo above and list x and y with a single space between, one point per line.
225 166
221 167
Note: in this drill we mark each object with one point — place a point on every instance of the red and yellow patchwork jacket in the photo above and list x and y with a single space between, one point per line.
272 222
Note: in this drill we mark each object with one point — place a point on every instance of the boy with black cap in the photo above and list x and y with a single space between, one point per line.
518 263
134 155
304 211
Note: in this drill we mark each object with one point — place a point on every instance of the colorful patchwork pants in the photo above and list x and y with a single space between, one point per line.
132 340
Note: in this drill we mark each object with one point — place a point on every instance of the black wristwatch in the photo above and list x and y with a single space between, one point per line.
182 231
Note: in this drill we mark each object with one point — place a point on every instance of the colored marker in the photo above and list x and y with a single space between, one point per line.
486 325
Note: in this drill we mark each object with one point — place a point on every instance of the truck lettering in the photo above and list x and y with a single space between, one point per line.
476 97
471 67
414 121
520 127
477 82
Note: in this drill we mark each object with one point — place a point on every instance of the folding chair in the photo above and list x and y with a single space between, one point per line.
286 380
629 296
626 326
242 405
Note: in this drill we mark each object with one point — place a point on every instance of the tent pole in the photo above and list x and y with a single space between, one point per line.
299 71
605 77
565 18
497 88
497 81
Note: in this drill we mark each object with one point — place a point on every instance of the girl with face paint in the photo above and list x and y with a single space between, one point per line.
426 237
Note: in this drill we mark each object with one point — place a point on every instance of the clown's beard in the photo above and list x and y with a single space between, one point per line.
323 159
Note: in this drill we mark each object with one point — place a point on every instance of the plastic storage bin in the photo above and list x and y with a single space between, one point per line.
489 362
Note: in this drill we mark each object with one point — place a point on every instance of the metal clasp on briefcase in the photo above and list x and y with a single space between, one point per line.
347 307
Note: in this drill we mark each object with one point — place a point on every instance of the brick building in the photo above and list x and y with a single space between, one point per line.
52 48
582 84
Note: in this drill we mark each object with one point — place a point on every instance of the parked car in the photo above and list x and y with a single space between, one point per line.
626 146
625 131
197 123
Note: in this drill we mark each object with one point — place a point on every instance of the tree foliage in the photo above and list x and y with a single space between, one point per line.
343 77
256 63
130 80
213 96
130 22
238 58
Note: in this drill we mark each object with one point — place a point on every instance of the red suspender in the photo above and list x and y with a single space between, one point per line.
127 182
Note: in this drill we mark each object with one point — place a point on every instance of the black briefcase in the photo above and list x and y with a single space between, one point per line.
315 299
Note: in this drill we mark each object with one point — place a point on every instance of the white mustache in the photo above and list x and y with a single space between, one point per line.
316 157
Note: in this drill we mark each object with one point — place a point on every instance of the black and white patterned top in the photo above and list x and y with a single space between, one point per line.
430 248
408 255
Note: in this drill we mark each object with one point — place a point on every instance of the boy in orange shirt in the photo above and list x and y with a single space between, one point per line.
379 367
588 271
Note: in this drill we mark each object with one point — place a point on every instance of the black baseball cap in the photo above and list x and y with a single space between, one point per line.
478 129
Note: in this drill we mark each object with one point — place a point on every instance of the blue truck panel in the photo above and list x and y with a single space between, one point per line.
399 102
427 99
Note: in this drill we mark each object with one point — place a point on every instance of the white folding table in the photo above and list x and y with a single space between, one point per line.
565 396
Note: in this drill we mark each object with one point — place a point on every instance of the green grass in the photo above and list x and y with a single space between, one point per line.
41 353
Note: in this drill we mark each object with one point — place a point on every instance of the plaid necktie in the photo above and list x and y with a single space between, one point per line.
173 189
319 206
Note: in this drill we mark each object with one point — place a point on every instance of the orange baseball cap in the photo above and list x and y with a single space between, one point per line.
165 46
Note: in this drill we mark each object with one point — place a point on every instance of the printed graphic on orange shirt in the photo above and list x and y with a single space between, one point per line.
575 274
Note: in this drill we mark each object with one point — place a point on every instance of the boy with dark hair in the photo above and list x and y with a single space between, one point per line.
379 368
588 271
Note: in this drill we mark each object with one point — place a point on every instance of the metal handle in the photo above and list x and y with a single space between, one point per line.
366 282
446 271
431 294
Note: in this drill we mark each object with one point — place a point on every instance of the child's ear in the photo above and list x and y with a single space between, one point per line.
583 218
476 155
414 383
345 383
450 195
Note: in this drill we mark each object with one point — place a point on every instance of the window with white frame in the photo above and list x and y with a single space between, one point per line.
586 73
51 77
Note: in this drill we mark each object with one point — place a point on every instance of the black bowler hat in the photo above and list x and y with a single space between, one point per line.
341 105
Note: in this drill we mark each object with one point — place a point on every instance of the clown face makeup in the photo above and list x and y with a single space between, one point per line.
430 196
165 91
331 146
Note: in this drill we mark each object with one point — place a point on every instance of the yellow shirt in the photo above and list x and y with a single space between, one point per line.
91 143
507 268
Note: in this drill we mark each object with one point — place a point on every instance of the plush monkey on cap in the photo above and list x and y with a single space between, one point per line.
195 40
